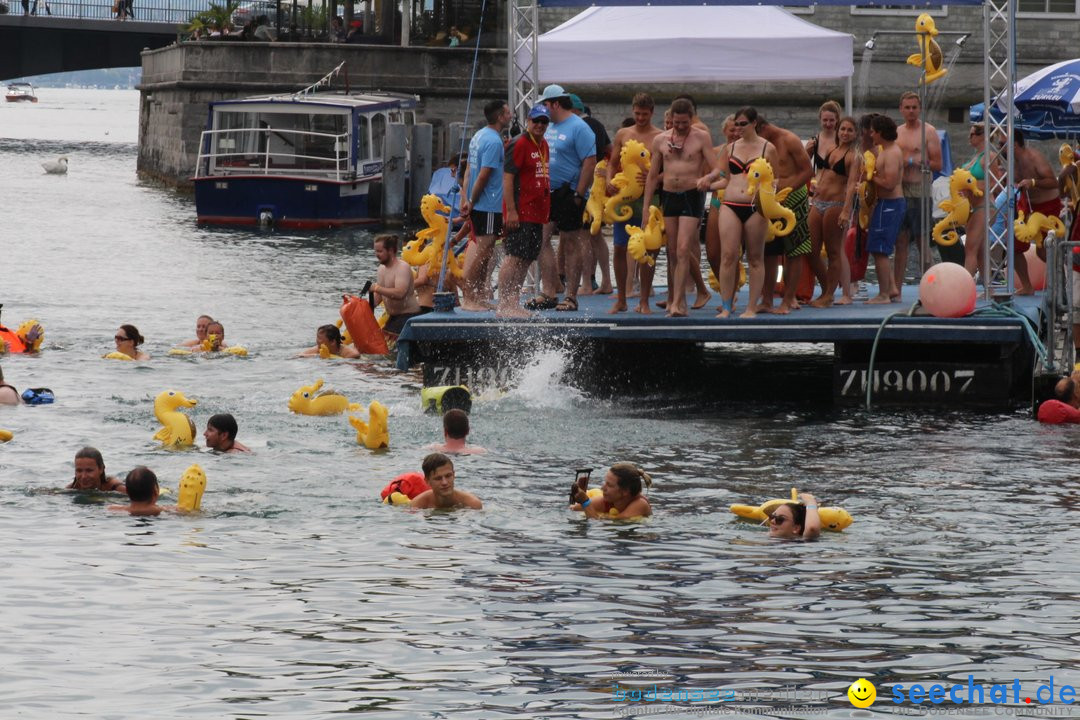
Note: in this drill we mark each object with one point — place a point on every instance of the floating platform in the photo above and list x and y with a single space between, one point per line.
984 359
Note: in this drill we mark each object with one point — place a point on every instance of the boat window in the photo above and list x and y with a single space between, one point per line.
307 142
363 142
378 134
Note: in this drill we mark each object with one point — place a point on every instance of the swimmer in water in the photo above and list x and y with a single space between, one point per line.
796 521
8 394
439 474
330 336
128 341
90 473
201 324
622 492
142 485
215 332
221 434
456 435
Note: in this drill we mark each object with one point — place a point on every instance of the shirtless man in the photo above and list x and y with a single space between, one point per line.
889 209
645 133
439 474
792 170
1038 188
220 434
679 154
455 424
394 285
909 138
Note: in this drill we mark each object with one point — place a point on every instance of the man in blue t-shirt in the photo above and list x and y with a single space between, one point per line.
482 202
573 157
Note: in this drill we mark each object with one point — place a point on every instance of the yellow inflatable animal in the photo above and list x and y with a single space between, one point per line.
6 435
32 334
594 208
1067 156
117 355
760 181
647 240
1034 229
177 428
929 57
867 190
346 338
374 433
427 247
309 401
832 518
958 206
635 160
191 489
714 282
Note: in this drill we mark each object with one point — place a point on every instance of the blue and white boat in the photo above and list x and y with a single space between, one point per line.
312 159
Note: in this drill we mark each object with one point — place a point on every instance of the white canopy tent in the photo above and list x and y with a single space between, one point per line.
733 43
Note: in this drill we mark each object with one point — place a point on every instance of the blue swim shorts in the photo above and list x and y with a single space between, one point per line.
885 226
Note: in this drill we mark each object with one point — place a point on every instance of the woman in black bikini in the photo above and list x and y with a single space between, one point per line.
740 223
825 208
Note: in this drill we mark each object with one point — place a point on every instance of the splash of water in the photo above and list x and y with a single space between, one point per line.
540 382
936 92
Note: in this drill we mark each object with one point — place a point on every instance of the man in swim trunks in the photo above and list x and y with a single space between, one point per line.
645 133
394 285
679 154
909 138
793 170
439 475
1038 188
889 209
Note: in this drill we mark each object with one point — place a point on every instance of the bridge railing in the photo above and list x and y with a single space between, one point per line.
158 11
247 151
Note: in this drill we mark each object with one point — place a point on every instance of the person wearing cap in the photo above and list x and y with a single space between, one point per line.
645 133
527 200
679 154
573 157
796 521
596 249
482 202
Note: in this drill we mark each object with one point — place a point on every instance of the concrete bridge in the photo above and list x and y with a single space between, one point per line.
47 36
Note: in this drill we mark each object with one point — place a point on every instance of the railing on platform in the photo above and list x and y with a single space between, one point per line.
1058 304
219 155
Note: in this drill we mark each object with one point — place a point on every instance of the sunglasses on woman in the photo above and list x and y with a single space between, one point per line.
120 338
777 519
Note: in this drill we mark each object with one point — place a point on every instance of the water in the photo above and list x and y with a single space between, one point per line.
296 595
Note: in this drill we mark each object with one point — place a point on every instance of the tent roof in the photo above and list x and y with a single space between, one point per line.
735 43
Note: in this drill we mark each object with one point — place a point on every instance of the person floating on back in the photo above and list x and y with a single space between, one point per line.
439 474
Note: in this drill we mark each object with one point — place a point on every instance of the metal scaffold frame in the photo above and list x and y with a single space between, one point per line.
523 28
999 78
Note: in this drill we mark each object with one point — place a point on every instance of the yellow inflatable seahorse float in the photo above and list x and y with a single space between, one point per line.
929 51
191 488
648 239
309 401
374 433
594 208
958 206
177 428
867 191
762 183
635 160
1033 230
832 518
427 247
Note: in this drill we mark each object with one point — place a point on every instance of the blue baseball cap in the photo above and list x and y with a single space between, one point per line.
551 92
539 110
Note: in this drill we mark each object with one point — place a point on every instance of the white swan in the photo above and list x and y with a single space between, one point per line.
56 167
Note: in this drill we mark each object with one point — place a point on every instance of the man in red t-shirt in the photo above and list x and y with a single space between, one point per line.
526 205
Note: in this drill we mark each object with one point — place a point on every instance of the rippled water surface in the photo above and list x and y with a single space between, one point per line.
296 595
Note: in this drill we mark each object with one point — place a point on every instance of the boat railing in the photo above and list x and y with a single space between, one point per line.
229 152
1059 304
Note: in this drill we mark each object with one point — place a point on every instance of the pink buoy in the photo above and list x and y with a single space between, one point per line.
1036 268
947 290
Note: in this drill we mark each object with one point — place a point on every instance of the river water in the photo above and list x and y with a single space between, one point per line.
295 594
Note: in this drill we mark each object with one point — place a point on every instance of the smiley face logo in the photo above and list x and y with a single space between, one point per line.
862 693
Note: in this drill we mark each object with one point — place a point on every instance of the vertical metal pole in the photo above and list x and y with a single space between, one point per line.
522 48
924 172
999 68
406 21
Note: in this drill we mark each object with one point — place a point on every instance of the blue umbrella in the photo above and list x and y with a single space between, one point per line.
1047 102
